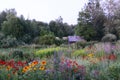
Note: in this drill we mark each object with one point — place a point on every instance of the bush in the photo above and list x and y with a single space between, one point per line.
47 40
114 71
8 41
47 52
109 38
58 42
81 44
16 54
80 52
26 38
36 40
1 36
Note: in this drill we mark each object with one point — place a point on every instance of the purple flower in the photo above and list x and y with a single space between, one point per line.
107 47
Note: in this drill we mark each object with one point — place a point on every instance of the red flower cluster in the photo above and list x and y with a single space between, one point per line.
73 64
109 57
13 64
2 62
112 57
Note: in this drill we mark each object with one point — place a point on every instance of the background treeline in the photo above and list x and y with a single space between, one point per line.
16 30
98 20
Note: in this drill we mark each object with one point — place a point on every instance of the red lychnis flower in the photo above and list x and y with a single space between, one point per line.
112 57
20 63
2 62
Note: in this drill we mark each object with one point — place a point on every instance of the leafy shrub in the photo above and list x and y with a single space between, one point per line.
81 44
17 54
1 36
36 40
65 41
47 40
47 52
80 52
109 38
8 41
114 71
91 42
58 42
3 56
26 38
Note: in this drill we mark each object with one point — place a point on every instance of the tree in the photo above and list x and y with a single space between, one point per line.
91 21
85 27
12 26
98 17
60 29
3 15
112 24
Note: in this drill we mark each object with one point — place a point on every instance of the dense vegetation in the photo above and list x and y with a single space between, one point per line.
42 59
16 30
99 61
98 20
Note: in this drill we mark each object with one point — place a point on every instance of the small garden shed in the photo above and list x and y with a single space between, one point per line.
74 39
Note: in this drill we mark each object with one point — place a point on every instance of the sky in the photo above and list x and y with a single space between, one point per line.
46 10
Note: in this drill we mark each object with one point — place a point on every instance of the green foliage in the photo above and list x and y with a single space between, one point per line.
36 40
26 38
109 38
114 71
58 42
47 52
47 40
8 41
91 21
13 27
85 27
60 29
3 15
17 54
61 66
81 44
1 36
80 52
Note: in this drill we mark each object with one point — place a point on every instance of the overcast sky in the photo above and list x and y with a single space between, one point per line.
46 10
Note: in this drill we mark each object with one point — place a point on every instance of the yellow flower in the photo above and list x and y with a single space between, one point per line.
32 65
42 68
90 55
43 62
34 69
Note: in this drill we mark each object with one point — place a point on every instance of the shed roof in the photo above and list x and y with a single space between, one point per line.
74 38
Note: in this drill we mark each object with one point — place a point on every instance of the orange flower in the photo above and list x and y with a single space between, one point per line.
35 62
32 65
42 68
43 62
25 69
8 68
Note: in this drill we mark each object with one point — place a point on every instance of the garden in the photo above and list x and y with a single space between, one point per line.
99 61
56 50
